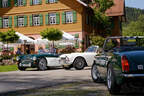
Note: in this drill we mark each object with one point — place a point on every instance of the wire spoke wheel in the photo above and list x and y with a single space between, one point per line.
42 64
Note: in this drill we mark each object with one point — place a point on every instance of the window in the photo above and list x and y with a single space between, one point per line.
5 22
4 3
69 17
36 20
20 21
52 18
51 1
20 2
35 2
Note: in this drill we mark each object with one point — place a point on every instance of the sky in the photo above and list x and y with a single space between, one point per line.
135 3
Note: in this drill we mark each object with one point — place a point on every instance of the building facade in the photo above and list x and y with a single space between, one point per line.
30 17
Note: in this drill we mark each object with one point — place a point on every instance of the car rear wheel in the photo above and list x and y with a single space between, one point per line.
111 81
42 65
79 63
95 73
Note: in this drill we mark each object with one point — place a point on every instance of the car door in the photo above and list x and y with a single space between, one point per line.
89 55
104 57
53 61
101 62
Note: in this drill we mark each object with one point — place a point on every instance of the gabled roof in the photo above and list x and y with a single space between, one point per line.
117 9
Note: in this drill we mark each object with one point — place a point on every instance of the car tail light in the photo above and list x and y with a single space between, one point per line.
125 64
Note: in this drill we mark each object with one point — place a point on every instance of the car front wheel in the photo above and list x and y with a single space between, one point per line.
95 73
42 65
79 63
111 81
21 68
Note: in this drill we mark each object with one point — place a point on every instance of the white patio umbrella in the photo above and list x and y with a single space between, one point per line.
66 43
67 36
41 41
23 38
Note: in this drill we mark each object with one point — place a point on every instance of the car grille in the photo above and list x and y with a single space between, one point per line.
26 60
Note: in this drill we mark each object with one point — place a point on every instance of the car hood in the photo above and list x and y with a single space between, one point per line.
39 55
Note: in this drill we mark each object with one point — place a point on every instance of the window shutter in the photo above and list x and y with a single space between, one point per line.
10 21
0 3
41 19
47 1
57 18
9 3
0 22
63 17
40 1
56 1
47 19
30 20
31 2
25 20
74 17
15 3
77 44
24 2
15 21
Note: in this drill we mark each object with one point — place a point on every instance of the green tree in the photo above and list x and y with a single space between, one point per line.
135 28
52 34
9 36
97 40
100 20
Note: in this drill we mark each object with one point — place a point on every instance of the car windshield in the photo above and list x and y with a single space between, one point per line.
125 43
92 49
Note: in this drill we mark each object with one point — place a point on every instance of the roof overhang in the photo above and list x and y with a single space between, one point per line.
84 4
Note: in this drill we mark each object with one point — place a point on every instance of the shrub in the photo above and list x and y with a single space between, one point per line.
97 40
68 49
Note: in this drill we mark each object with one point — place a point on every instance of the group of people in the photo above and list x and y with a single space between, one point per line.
50 50
40 50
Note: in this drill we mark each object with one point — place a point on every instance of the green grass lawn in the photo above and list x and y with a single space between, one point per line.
7 68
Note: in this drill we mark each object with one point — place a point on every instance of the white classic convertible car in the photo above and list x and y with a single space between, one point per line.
79 60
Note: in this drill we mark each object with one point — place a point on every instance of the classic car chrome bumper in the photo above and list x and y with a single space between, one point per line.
133 75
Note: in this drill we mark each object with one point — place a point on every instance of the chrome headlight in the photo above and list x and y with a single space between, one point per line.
67 59
17 58
34 58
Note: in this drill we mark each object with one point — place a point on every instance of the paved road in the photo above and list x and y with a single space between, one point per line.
20 80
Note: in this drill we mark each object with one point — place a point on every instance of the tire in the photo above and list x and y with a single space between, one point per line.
111 81
21 68
79 63
42 65
95 73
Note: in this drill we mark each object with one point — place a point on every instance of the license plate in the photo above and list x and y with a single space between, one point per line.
140 67
26 65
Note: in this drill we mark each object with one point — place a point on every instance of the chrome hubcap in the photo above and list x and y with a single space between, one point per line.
109 78
95 72
42 63
80 63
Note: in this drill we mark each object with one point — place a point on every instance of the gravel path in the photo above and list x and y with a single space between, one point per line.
56 80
